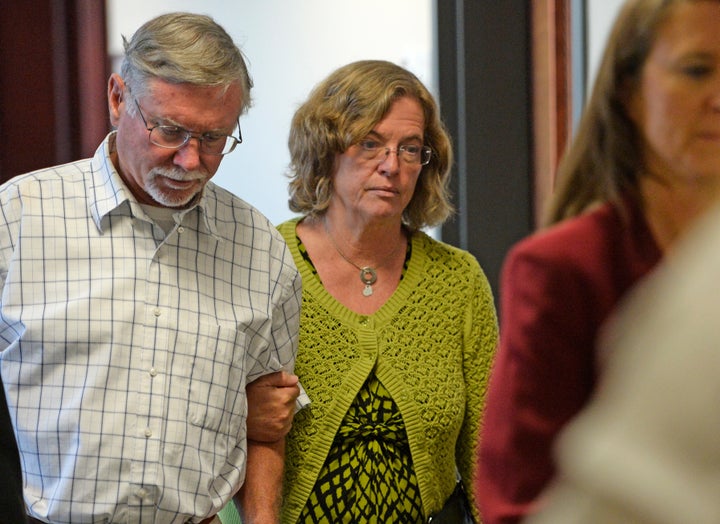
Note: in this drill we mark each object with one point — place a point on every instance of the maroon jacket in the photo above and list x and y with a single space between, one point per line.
558 286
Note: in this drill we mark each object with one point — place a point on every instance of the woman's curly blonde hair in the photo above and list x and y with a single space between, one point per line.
342 110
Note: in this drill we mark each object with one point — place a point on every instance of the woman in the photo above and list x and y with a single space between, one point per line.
645 163
397 329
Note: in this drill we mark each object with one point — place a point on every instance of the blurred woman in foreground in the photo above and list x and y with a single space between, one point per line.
644 165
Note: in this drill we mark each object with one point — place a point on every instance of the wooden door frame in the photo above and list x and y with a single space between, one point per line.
552 93
53 82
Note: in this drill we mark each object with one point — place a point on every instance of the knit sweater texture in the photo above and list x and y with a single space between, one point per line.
431 345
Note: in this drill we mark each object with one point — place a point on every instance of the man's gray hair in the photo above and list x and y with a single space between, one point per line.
184 48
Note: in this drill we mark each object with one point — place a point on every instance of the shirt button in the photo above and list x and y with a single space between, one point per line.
156 311
148 432
181 229
153 372
142 493
364 321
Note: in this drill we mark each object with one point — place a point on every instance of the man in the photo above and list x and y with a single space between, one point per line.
139 300
12 508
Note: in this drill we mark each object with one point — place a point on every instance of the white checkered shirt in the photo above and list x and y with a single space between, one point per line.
125 353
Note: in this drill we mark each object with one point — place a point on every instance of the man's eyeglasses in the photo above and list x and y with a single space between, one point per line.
410 153
174 137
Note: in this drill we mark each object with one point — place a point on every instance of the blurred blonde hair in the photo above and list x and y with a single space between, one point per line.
604 160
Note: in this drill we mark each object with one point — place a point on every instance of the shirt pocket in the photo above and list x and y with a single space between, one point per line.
216 384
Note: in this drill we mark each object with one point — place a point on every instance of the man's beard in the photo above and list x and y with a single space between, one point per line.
169 197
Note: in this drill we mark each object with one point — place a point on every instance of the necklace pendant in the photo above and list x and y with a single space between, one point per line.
368 276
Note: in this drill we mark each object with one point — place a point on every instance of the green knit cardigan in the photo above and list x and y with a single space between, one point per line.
431 345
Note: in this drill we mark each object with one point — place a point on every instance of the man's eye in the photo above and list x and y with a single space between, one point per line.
214 139
171 132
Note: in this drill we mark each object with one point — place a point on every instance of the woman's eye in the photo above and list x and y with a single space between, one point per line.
369 145
696 70
412 150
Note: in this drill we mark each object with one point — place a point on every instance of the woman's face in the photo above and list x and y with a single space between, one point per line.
369 186
676 106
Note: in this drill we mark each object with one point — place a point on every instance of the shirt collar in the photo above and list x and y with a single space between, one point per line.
108 191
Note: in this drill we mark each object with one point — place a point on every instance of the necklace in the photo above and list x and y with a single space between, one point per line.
368 275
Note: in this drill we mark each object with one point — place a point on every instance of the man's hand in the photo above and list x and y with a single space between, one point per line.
271 406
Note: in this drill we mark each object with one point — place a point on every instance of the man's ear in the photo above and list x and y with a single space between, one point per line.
116 97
